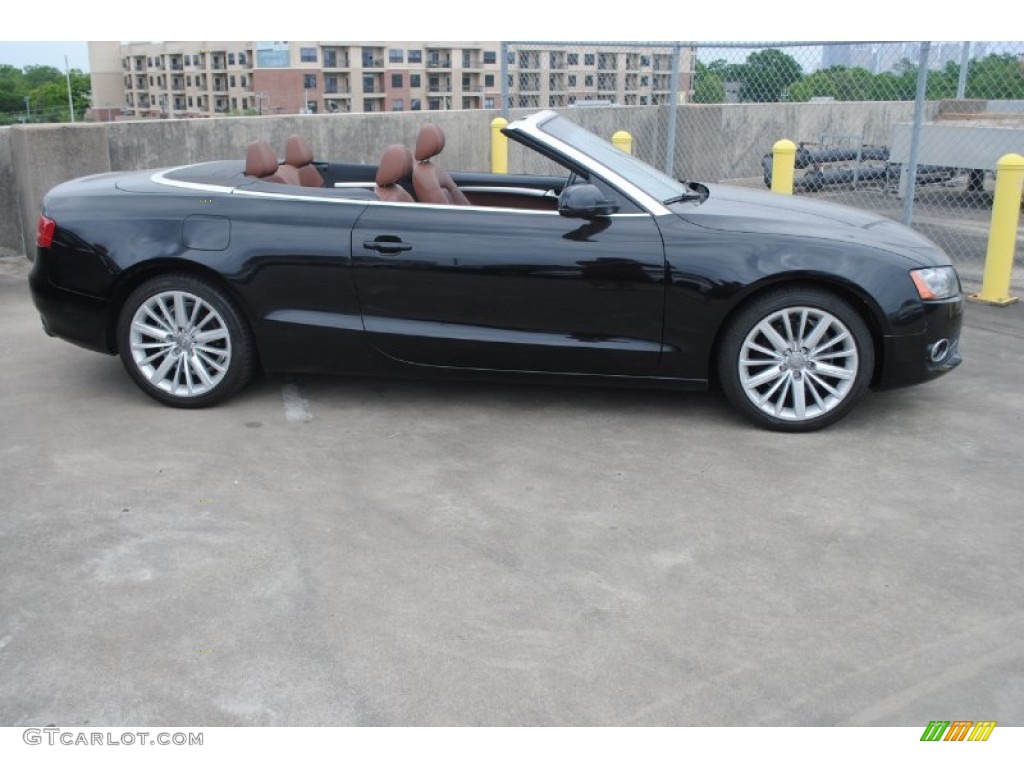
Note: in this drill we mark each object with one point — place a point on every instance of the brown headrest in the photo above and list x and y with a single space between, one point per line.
430 142
260 160
395 165
298 151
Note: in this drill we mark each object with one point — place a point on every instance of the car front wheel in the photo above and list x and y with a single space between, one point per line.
184 342
796 359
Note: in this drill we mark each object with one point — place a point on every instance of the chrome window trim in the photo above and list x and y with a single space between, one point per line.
521 191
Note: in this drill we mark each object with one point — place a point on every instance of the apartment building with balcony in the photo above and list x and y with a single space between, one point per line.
212 78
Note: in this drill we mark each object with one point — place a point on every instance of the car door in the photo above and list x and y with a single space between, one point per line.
511 290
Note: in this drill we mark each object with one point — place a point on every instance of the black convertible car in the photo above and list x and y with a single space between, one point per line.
607 271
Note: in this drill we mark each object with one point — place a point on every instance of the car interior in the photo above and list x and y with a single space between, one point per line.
401 176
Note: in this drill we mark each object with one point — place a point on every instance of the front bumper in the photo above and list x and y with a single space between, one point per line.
927 355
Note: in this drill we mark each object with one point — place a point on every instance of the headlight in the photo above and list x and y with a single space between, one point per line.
936 283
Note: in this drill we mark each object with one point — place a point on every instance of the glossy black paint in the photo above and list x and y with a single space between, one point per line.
331 280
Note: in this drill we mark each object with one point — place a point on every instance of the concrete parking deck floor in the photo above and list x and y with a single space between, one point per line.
453 554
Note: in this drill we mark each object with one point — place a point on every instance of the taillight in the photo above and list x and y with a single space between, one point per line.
44 232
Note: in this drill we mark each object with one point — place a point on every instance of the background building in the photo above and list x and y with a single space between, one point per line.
209 78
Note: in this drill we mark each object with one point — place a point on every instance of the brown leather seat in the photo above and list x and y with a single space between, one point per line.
431 182
395 165
261 162
298 165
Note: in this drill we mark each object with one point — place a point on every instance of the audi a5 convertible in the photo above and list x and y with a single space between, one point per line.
603 271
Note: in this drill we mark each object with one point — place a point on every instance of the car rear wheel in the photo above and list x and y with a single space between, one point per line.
796 359
184 342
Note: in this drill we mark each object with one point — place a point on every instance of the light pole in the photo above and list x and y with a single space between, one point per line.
260 98
71 102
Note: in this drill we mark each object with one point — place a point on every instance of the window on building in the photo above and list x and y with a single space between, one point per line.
488 102
467 82
368 84
467 59
309 81
190 102
572 59
151 80
397 105
414 105
149 61
589 81
490 57
232 79
588 59
434 104
241 59
311 107
488 81
307 54
414 81
396 82
396 56
433 83
231 59
188 80
572 81
234 103
415 56
245 82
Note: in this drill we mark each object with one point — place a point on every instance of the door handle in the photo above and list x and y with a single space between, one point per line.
386 246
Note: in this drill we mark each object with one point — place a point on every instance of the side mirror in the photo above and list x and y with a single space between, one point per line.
584 201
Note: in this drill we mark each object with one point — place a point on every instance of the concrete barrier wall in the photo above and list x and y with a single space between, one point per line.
714 143
10 213
730 143
46 155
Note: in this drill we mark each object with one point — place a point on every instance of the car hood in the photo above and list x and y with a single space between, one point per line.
734 209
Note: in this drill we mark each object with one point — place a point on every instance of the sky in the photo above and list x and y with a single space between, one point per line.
21 54
752 20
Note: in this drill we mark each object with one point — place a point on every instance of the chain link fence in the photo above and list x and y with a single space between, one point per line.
910 130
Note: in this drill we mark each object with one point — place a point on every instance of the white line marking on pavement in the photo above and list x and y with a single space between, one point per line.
296 407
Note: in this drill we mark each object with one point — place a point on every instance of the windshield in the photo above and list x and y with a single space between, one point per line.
652 181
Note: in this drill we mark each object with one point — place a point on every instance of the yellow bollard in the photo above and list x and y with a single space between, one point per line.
624 141
1002 237
499 146
783 163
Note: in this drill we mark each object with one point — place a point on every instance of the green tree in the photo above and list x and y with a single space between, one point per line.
708 87
46 89
767 74
997 76
12 89
40 75
839 83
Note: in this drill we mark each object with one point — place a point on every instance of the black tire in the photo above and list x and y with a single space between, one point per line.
782 384
184 342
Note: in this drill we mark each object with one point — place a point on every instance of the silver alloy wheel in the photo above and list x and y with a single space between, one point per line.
180 343
798 363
